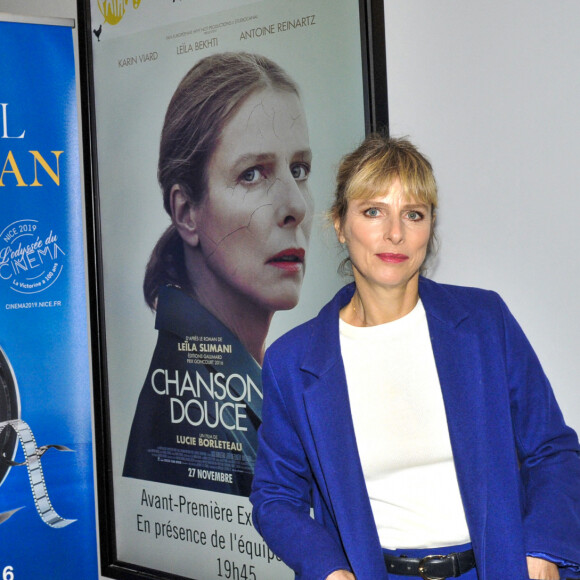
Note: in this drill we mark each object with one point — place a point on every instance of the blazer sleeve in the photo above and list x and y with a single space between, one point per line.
549 455
281 493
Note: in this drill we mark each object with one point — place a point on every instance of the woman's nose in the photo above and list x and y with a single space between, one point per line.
394 230
292 202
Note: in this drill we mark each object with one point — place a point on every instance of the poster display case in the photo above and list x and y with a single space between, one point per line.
215 132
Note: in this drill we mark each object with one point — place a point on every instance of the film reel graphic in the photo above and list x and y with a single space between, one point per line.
9 411
12 430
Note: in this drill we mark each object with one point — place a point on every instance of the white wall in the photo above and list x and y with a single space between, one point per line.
490 92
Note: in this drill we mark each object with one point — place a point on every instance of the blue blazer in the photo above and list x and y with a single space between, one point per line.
517 463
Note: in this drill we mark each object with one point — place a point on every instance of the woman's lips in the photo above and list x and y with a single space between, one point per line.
291 260
393 258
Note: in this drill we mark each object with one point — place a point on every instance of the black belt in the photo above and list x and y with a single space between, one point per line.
431 567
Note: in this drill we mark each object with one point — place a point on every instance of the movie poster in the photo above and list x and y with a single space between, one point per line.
47 502
207 258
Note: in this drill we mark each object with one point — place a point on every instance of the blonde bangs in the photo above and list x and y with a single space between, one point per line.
376 176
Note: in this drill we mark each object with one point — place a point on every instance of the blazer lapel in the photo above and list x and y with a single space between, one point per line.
328 411
458 360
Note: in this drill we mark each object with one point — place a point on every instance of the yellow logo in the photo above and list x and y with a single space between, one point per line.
114 10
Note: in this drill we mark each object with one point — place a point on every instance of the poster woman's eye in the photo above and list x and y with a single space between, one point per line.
252 175
300 171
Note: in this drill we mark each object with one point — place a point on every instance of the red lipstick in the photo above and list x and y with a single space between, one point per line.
393 258
291 260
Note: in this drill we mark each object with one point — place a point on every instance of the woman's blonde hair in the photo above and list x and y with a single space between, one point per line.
371 169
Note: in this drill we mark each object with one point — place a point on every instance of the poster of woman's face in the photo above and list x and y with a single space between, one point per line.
234 165
219 127
255 222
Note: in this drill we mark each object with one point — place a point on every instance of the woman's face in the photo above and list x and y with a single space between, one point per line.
254 223
387 238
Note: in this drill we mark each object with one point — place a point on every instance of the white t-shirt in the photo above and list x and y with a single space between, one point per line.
401 432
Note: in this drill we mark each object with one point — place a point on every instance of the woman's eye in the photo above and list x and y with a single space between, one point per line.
300 172
415 216
372 212
252 175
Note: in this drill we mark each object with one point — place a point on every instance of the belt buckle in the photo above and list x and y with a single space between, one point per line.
422 566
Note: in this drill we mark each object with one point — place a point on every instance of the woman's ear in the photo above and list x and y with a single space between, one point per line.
338 230
184 216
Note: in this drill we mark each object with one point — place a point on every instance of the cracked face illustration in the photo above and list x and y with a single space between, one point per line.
254 223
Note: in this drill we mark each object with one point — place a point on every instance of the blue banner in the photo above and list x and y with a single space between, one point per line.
47 514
